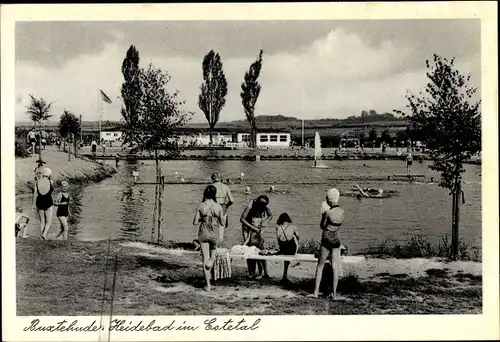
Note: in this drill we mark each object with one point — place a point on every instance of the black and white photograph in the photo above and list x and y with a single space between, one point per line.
247 168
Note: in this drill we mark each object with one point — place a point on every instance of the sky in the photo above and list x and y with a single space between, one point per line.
311 69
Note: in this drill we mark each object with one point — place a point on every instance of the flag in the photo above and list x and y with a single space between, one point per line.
105 97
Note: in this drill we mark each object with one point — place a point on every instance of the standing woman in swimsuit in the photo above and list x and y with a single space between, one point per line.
210 216
224 198
331 220
43 202
255 216
62 203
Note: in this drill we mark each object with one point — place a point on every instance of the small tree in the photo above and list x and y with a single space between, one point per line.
449 121
385 136
213 90
68 124
159 115
250 90
39 110
372 135
130 94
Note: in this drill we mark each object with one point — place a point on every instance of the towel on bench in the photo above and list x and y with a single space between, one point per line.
222 264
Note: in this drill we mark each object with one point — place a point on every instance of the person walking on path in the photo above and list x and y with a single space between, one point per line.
224 198
331 219
209 216
409 162
62 203
43 202
32 140
93 146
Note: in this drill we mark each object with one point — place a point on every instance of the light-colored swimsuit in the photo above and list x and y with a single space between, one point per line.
209 230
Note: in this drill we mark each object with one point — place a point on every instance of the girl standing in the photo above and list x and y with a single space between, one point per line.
62 203
210 216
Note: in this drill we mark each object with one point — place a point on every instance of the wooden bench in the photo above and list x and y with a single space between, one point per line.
351 259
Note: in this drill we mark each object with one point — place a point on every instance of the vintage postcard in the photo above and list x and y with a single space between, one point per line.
280 171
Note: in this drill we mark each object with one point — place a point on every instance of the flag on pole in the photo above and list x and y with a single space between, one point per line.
105 97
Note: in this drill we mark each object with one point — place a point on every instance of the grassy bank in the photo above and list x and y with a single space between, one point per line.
417 246
66 278
76 171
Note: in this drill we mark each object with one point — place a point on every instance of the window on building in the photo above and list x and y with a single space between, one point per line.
116 134
107 133
264 138
245 137
274 138
283 138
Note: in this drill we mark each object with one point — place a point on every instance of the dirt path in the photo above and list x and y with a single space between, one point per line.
76 171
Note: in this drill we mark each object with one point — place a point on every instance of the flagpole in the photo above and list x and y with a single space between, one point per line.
99 112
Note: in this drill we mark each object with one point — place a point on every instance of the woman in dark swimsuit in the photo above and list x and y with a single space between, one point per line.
255 216
43 202
288 239
331 221
62 203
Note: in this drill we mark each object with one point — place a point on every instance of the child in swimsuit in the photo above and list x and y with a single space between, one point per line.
62 203
331 220
288 239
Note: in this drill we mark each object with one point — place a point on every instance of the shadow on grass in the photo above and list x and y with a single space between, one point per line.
157 263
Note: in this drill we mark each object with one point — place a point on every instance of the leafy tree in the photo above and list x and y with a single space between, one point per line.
449 120
68 123
130 94
385 136
39 110
213 90
373 112
364 113
159 116
372 135
250 90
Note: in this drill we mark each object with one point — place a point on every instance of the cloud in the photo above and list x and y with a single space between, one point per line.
336 76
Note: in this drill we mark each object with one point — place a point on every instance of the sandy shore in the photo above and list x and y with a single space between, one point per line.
76 171
153 280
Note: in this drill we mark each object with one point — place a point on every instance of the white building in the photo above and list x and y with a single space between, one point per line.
111 135
267 139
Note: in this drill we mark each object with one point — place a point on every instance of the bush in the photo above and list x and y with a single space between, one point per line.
308 247
21 148
418 247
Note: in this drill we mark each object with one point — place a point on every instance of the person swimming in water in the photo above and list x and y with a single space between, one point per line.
331 220
370 193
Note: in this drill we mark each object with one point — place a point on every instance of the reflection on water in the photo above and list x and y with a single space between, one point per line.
116 208
132 200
